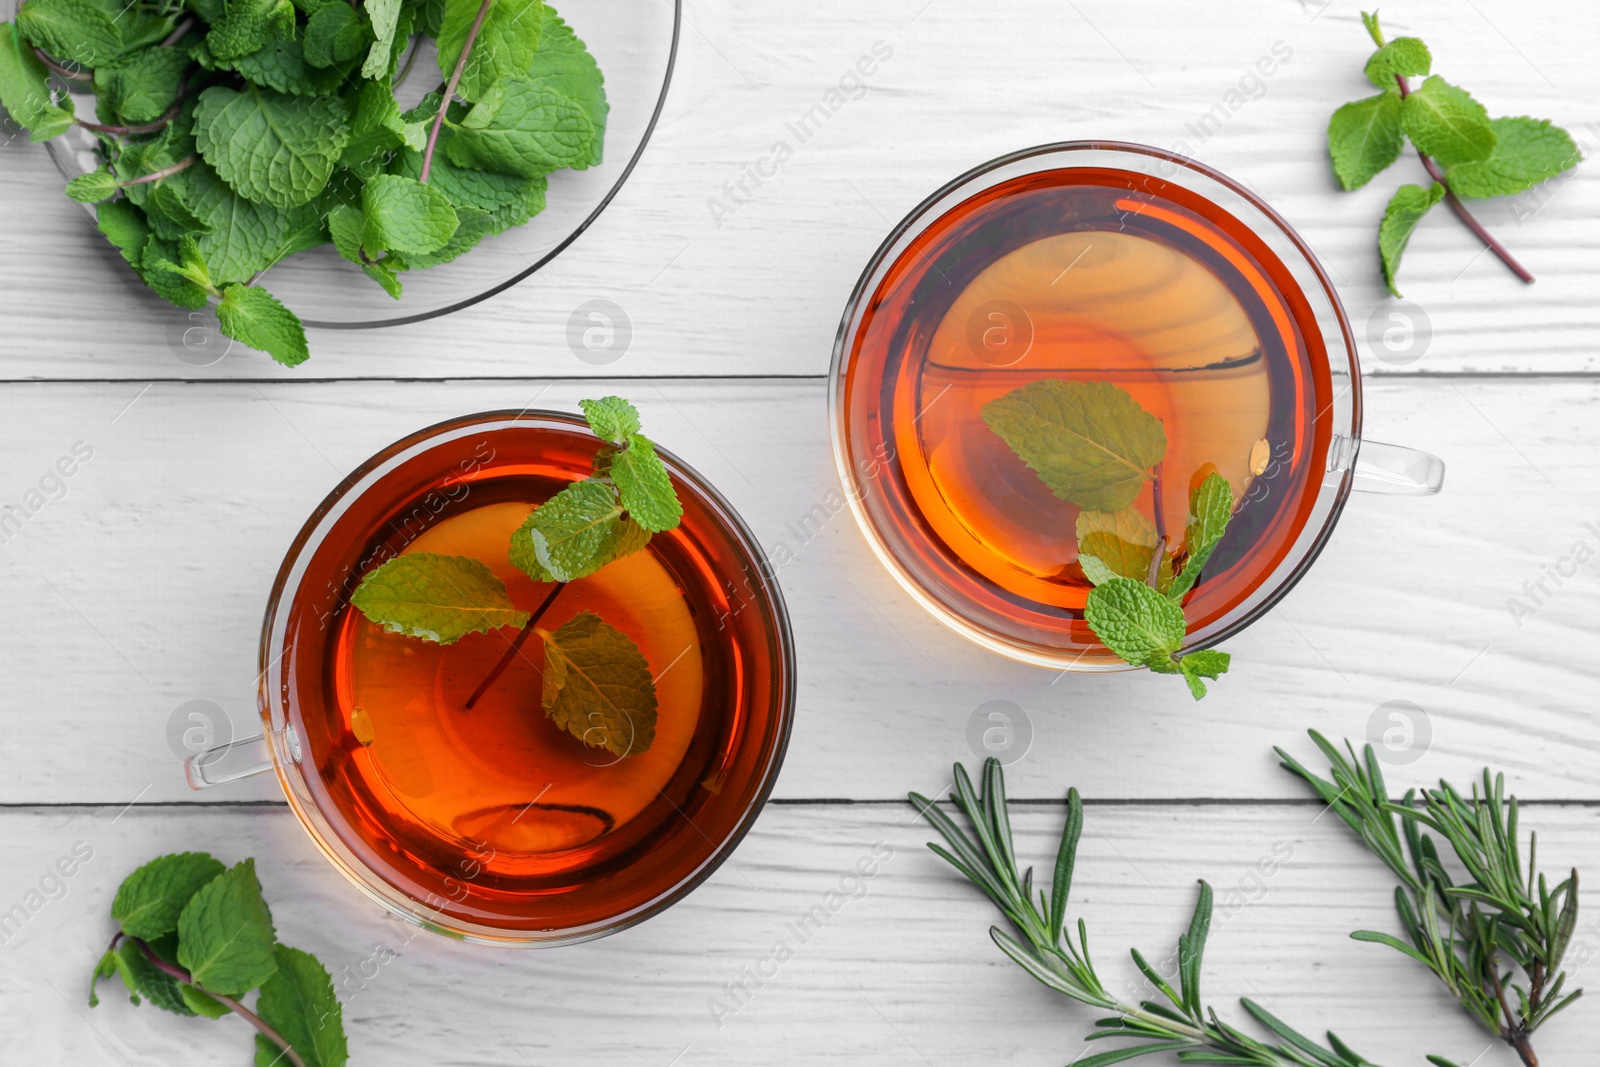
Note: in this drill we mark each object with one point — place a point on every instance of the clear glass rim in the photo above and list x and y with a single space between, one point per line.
1313 537
52 150
769 597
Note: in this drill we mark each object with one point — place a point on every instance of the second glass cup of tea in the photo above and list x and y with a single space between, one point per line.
481 818
1097 262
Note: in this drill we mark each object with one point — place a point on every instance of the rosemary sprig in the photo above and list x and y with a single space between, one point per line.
1462 932
1046 948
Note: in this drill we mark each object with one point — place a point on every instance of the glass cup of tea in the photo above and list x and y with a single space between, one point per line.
481 818
1097 262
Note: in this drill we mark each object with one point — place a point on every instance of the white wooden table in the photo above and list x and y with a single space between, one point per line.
141 586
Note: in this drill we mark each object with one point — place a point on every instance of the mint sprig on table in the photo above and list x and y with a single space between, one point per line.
1042 942
257 129
1463 931
597 683
1093 445
1465 152
195 938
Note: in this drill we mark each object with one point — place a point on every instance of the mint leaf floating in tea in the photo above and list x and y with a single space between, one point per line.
644 485
597 686
1094 445
1467 932
1090 442
438 598
1210 508
1113 543
256 127
575 532
1055 952
1465 152
196 937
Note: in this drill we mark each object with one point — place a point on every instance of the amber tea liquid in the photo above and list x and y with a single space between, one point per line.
1082 274
493 815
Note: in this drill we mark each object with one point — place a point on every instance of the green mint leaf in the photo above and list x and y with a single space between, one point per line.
252 316
169 213
1136 622
597 686
611 418
505 47
299 1002
1206 663
1445 122
200 1003
157 267
270 147
532 132
1405 210
467 187
125 227
243 237
249 25
1090 442
563 65
1370 21
1364 138
150 899
437 598
1402 57
142 86
385 16
108 966
25 88
147 980
334 34
406 215
183 259
523 556
225 935
82 31
1210 509
645 486
1116 543
282 65
344 224
93 187
571 531
1526 152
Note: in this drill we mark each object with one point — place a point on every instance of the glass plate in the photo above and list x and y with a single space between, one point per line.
635 44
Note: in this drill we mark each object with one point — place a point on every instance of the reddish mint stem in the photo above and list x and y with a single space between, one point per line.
1461 209
65 72
516 646
450 92
181 975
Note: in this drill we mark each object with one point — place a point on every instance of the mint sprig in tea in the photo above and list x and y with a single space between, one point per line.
1102 401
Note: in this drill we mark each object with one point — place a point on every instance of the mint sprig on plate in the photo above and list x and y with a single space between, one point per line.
1465 152
196 937
1093 445
256 129
597 683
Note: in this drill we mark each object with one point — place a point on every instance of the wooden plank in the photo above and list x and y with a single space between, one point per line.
902 972
756 285
141 588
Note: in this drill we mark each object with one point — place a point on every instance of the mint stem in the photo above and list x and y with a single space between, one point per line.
65 72
178 32
1460 209
181 975
148 127
516 643
450 92
164 172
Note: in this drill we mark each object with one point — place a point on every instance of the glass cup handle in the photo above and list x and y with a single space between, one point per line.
1381 468
228 763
